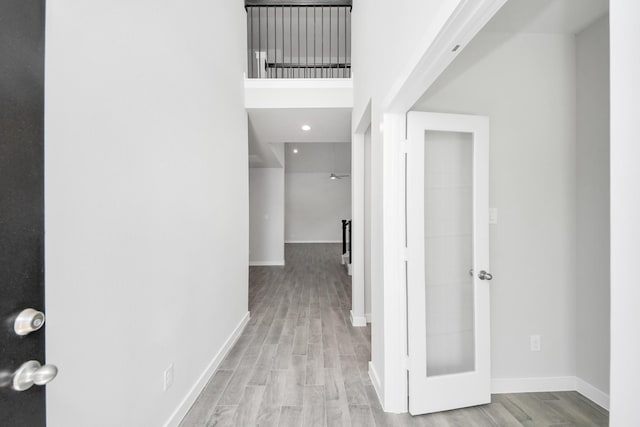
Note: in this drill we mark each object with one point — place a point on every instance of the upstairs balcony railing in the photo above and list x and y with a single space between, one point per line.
298 39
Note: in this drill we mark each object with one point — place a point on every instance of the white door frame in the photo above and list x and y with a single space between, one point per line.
358 317
460 28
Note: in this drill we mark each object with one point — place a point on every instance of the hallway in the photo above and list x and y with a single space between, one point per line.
299 362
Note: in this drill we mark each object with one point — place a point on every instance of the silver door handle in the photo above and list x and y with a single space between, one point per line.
483 275
29 320
31 373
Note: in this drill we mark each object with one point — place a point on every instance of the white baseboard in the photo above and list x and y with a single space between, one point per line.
265 263
182 409
368 317
592 393
532 385
313 241
375 381
357 321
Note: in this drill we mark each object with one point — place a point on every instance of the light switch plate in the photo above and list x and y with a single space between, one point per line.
493 215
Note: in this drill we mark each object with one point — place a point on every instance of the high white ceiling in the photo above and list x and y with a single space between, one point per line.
269 127
547 16
318 157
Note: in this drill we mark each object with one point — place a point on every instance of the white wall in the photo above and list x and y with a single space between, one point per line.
625 211
315 207
146 203
266 216
593 272
526 85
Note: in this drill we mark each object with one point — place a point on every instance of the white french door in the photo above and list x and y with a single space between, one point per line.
448 261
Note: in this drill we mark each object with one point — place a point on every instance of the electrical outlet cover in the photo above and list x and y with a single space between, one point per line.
535 343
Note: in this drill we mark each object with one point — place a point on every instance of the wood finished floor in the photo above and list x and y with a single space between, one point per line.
300 363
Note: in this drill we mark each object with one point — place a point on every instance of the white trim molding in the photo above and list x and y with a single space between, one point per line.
437 49
355 264
357 321
265 263
375 382
532 385
550 384
186 403
592 393
526 385
393 292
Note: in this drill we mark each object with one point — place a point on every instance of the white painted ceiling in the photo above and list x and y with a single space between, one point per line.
269 127
547 16
318 157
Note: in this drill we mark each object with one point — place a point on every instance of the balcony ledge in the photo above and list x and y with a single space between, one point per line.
298 93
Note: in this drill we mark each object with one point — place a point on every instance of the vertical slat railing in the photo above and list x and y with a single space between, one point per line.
350 252
318 43
259 40
330 42
346 35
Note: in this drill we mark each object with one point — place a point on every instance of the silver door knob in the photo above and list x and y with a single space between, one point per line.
29 320
31 373
483 275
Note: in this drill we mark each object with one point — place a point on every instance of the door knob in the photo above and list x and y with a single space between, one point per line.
483 275
28 321
31 373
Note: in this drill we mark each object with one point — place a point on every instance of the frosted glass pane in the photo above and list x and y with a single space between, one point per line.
448 177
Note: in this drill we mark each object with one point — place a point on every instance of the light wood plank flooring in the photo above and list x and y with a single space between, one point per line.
300 363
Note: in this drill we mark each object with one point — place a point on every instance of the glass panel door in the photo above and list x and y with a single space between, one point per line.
447 182
448 263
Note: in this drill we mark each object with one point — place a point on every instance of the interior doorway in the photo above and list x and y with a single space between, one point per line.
448 254
540 72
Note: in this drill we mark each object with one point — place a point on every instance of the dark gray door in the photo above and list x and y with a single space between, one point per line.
21 202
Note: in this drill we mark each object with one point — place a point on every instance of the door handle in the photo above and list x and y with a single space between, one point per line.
29 320
31 373
483 275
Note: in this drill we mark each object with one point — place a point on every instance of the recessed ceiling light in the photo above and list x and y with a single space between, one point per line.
306 128
295 151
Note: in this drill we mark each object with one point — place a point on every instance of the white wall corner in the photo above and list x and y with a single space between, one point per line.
357 321
186 403
592 393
